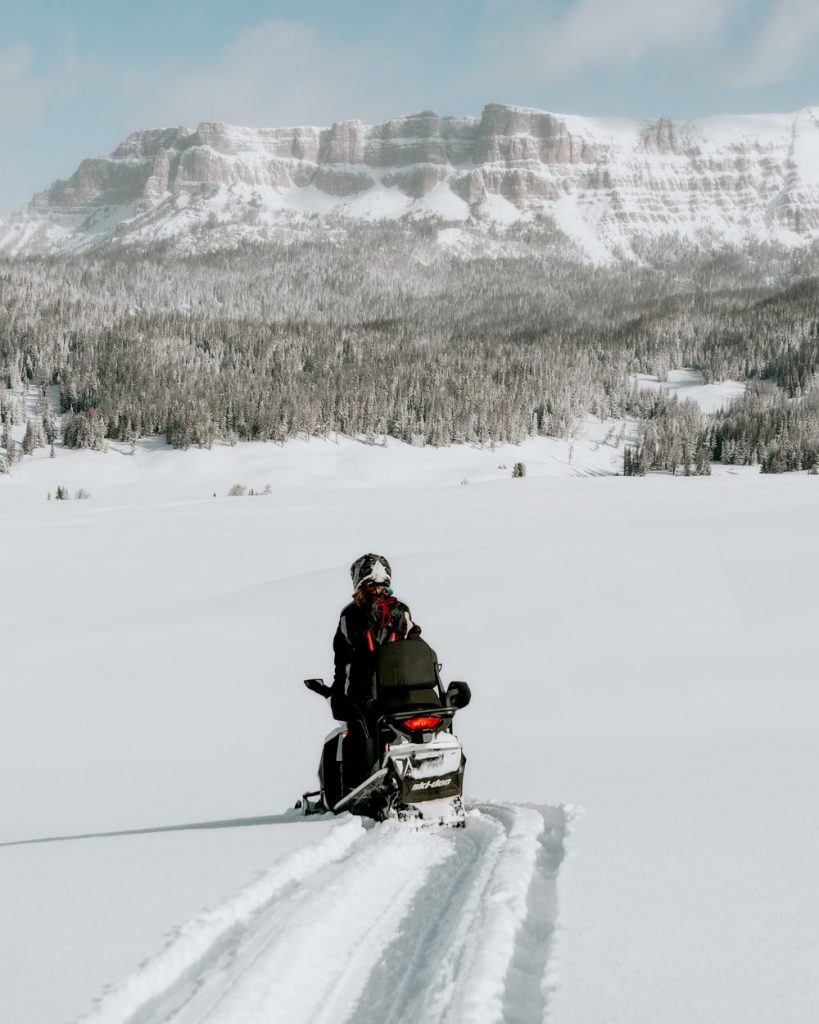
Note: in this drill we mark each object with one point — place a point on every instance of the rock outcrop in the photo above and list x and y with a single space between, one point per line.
603 182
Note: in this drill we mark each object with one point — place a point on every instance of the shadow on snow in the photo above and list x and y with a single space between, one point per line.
288 818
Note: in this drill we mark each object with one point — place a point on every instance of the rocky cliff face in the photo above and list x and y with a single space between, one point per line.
602 182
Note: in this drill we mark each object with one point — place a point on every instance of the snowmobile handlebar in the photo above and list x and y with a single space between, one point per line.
318 686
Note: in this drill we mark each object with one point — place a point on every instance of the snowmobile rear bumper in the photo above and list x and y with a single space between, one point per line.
429 771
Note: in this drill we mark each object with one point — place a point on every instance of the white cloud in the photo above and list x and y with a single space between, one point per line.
596 33
786 43
275 73
14 63
25 94
526 44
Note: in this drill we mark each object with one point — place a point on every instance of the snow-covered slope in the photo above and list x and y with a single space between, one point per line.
603 183
643 647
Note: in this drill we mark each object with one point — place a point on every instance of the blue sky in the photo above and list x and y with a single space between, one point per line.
76 78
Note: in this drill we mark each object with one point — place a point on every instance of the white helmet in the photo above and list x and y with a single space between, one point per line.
371 569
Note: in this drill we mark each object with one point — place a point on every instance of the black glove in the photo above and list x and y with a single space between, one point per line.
341 706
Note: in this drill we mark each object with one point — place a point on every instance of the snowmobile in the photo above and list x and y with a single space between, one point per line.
399 758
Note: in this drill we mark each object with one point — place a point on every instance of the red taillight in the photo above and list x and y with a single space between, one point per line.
422 722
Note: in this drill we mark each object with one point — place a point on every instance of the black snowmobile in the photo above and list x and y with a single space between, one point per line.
399 758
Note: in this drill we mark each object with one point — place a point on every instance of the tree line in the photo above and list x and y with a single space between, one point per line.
372 330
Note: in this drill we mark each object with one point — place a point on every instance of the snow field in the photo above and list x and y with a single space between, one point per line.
78 916
641 647
159 474
197 943
688 385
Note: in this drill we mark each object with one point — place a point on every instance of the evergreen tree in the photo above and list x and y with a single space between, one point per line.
9 443
29 439
357 335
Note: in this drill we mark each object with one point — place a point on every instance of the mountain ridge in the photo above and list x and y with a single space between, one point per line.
600 183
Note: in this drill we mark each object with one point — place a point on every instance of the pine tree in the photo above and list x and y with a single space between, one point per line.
49 429
9 444
29 439
6 440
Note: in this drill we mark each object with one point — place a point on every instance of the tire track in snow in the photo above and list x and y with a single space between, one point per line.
530 978
311 957
480 962
445 927
196 944
419 968
471 983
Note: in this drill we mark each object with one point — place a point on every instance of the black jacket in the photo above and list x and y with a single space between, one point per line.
362 628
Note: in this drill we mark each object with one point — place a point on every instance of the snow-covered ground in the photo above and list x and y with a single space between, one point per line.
688 385
642 656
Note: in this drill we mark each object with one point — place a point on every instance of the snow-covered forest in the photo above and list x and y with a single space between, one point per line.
358 330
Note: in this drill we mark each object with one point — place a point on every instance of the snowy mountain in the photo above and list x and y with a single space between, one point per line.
603 183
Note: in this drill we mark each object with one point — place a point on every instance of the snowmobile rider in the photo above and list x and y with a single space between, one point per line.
373 617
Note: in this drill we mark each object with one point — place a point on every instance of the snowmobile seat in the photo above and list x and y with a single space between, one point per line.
407 677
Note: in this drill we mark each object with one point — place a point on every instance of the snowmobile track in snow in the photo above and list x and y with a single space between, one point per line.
371 924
